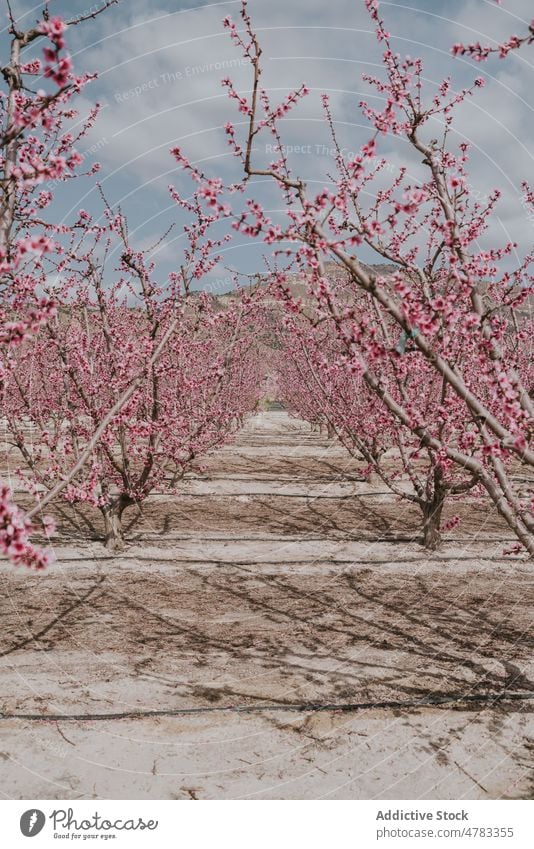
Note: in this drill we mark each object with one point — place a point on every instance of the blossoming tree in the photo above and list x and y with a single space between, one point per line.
447 293
35 149
193 369
319 384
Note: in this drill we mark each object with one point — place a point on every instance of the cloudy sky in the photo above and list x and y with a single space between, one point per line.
160 67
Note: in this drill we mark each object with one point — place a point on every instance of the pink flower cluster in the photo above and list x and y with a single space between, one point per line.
57 68
15 530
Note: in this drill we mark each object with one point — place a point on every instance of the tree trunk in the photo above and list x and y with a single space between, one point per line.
432 511
113 530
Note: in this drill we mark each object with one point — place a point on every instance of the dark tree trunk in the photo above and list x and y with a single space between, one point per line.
432 511
113 529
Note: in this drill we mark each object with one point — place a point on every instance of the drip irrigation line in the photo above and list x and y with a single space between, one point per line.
431 560
305 707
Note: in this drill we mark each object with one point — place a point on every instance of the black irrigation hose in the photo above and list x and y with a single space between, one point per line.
306 707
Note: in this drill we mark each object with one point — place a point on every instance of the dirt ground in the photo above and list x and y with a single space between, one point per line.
275 603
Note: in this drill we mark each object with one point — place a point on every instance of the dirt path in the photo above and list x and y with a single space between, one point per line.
278 580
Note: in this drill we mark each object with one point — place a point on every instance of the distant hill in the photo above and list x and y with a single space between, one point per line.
300 288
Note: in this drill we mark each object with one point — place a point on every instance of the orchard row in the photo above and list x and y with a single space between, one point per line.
115 383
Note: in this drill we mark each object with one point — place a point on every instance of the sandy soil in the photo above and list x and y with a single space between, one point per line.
275 582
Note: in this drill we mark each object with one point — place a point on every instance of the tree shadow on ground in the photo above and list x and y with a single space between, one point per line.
285 638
